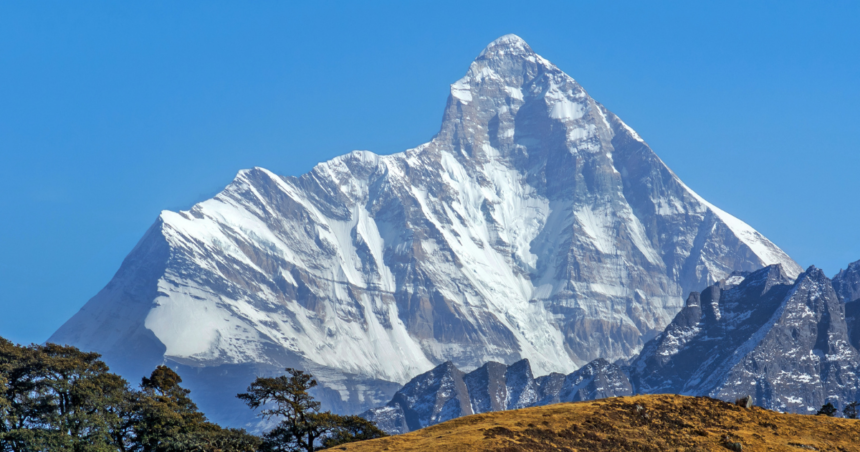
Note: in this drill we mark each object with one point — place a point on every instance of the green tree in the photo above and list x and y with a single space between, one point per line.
167 420
163 411
57 398
303 426
352 428
827 410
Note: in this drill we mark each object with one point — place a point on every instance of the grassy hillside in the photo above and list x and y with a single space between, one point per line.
646 423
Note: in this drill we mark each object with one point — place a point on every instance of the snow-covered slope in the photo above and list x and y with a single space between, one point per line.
535 224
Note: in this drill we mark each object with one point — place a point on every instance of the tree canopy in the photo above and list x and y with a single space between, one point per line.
827 410
303 427
59 398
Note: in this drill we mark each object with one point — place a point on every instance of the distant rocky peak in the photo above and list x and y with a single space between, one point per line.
735 278
814 272
815 277
766 278
487 387
495 386
506 46
521 367
447 370
783 341
429 399
846 283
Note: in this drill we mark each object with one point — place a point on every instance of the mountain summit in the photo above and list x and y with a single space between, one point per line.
535 224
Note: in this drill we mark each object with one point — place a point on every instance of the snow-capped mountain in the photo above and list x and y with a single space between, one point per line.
445 392
535 224
783 342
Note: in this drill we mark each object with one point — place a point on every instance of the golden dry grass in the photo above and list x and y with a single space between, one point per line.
640 423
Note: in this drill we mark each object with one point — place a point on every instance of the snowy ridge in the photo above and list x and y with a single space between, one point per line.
535 224
769 253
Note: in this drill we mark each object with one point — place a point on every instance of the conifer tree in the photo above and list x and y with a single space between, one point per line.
303 427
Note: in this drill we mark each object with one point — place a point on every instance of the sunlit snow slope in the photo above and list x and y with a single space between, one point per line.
535 224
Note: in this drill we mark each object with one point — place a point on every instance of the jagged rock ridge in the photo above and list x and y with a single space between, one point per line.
846 283
783 342
535 224
446 393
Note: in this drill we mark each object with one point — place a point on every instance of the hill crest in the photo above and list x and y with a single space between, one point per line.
645 423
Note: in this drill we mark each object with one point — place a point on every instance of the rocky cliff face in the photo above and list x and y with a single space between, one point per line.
846 283
784 342
598 379
438 395
495 386
535 224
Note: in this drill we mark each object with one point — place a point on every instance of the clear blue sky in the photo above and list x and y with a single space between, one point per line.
113 111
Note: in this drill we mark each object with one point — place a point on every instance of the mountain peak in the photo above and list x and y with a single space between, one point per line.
507 44
847 283
532 202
